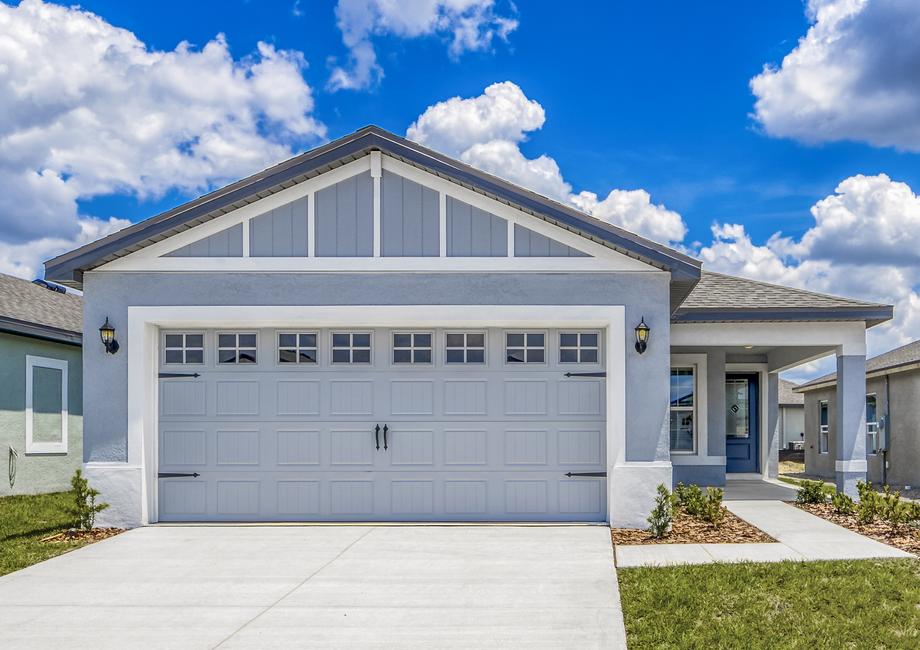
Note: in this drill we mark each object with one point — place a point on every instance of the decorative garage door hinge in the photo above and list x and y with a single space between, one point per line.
178 475
586 374
571 474
172 375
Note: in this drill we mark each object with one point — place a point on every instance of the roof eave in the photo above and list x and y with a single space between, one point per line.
39 331
871 314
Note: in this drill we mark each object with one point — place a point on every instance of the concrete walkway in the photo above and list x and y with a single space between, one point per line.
799 536
322 587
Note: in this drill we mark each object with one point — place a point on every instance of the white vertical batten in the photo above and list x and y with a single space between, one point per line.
376 172
442 224
510 238
311 225
245 225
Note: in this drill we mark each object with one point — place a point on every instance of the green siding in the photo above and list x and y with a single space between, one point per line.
38 472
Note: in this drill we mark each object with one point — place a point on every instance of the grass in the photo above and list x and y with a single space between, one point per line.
25 521
791 467
840 604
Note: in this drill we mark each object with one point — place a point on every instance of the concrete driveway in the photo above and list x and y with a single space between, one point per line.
322 586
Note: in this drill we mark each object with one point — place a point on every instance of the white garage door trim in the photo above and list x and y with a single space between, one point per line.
143 357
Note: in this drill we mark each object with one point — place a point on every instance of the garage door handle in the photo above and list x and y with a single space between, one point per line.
571 474
178 475
385 429
377 435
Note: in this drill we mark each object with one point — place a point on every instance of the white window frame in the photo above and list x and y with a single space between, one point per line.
296 348
33 447
185 348
466 348
824 429
526 347
412 348
579 347
872 427
351 348
694 368
236 333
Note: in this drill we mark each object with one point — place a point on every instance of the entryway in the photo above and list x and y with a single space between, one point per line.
742 422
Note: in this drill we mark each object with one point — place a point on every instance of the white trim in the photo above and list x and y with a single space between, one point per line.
510 238
142 346
311 224
849 336
376 173
246 231
442 224
700 454
858 465
33 447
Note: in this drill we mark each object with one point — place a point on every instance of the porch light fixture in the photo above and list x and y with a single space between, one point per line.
107 334
642 332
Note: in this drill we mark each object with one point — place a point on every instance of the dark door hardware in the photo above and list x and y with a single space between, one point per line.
586 374
173 375
385 429
571 474
377 435
178 475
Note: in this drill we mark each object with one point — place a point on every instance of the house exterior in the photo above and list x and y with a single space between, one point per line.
375 331
791 414
41 395
892 419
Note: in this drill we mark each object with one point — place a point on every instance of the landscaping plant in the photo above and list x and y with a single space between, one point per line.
811 492
870 503
713 511
843 504
691 500
659 521
84 498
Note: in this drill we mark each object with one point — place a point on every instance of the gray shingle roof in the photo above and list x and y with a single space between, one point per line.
28 308
718 297
902 356
786 394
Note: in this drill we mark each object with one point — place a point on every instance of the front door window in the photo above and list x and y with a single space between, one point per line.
737 408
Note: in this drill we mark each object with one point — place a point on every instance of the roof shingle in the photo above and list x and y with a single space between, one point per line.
23 302
902 356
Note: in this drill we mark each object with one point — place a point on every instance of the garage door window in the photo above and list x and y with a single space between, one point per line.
297 347
466 347
525 347
237 348
578 347
183 348
350 347
411 347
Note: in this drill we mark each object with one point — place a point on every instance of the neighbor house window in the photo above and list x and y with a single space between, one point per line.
46 405
411 347
183 348
297 347
578 347
466 347
871 425
525 347
683 409
351 347
236 348
822 427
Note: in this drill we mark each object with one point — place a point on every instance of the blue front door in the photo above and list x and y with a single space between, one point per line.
742 410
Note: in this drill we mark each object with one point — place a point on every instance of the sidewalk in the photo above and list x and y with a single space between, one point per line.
799 536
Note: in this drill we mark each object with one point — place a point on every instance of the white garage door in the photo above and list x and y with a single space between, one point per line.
282 425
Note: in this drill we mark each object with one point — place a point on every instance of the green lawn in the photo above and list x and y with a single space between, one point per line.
24 521
841 604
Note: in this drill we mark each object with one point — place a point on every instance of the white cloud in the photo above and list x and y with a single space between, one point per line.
855 75
468 25
486 132
89 110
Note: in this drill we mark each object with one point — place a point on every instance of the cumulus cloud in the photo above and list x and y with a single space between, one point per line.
855 75
89 110
486 131
467 25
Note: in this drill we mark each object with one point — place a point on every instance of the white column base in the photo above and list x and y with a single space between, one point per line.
121 486
633 486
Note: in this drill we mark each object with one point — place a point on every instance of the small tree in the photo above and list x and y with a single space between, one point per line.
659 521
85 507
713 510
843 504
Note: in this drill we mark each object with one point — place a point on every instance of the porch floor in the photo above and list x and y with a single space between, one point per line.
757 489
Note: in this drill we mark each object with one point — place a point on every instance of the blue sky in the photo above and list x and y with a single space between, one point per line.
803 173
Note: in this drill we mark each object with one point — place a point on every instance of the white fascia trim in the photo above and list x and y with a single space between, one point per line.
33 447
858 465
701 388
143 344
848 337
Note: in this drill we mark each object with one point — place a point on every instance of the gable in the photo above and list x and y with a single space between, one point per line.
528 243
226 243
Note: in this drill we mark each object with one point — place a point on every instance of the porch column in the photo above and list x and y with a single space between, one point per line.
773 429
851 422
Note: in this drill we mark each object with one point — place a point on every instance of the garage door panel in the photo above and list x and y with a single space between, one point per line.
351 447
298 447
525 397
297 397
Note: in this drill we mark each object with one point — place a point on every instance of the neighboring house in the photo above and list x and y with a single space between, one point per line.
375 331
791 414
892 413
41 378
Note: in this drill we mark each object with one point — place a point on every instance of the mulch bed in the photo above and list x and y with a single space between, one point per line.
904 537
94 535
690 530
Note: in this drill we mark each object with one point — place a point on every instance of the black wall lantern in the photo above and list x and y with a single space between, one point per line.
107 334
642 331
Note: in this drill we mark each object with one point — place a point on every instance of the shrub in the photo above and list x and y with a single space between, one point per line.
659 521
870 503
713 510
85 507
891 508
811 492
843 504
691 500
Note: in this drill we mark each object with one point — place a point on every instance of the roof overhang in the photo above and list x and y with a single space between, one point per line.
37 331
871 314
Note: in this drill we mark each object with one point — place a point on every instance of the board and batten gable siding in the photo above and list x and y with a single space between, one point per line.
409 218
345 218
226 243
472 232
528 243
281 232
